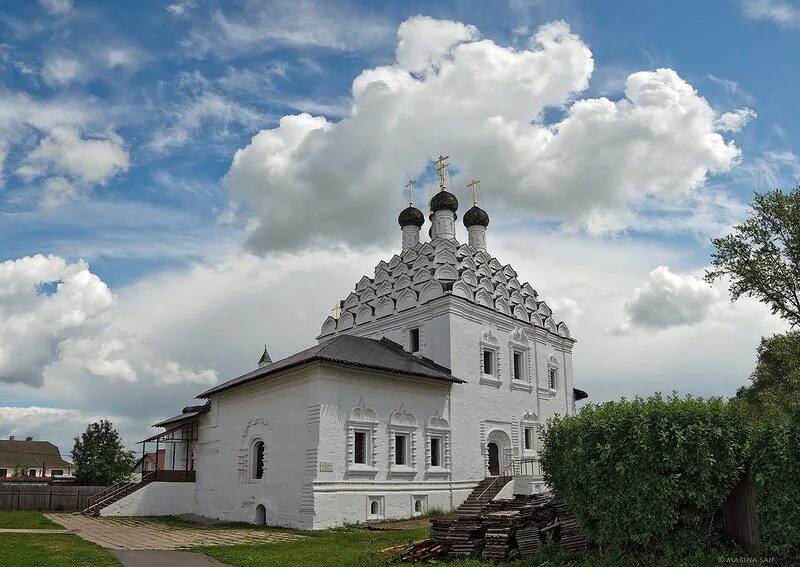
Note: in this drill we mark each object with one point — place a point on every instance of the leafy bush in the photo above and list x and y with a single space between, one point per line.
637 473
776 477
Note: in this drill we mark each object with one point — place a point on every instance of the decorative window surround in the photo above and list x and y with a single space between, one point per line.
530 421
489 343
257 429
439 428
362 419
552 374
402 422
519 345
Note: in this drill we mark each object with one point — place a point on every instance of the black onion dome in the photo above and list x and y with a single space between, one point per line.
476 215
444 200
411 215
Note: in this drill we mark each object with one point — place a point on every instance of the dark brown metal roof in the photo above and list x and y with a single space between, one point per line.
30 454
188 412
347 350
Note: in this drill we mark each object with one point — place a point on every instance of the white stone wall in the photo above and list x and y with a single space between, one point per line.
451 331
342 491
276 410
155 499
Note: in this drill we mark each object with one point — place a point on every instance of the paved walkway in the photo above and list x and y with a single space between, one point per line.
142 533
31 531
159 558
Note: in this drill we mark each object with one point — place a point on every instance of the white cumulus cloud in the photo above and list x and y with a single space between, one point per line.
483 104
91 160
54 311
34 320
668 300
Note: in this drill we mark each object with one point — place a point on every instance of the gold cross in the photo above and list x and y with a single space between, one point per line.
442 165
337 307
410 186
474 186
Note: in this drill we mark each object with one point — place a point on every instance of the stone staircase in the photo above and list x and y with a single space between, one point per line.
114 493
486 490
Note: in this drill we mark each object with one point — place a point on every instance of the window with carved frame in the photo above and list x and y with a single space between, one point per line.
362 430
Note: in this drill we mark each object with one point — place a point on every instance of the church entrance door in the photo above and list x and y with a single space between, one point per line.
494 459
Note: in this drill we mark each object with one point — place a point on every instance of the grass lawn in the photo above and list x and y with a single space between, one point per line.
334 548
26 519
359 548
56 550
176 522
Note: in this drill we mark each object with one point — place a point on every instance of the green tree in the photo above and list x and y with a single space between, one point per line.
20 470
762 255
100 457
776 378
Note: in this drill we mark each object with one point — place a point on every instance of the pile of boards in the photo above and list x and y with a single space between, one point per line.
523 524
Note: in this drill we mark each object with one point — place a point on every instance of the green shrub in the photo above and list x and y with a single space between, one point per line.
637 473
776 477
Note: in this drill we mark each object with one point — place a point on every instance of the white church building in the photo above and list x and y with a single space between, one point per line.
436 372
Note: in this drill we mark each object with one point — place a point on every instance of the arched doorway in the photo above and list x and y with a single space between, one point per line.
498 452
261 515
494 458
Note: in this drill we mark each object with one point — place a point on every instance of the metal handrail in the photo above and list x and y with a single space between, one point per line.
491 484
511 465
101 494
116 490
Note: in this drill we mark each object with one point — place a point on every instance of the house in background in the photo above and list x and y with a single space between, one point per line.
39 459
150 462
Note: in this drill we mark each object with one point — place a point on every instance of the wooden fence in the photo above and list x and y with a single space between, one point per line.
46 497
739 518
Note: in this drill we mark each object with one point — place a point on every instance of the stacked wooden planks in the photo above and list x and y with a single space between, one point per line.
503 527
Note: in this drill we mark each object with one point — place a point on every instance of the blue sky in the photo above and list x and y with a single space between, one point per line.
120 125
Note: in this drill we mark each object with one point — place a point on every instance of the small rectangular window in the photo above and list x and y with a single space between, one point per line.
3 473
56 472
435 451
488 362
518 368
32 472
360 452
553 378
413 340
529 438
400 449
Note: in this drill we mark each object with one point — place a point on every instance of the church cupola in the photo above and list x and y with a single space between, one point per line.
410 220
265 359
476 220
443 205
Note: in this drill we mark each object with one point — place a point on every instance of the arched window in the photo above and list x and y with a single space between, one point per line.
258 459
418 506
374 508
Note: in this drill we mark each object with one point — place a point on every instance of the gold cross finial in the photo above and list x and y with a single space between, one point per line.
410 186
337 307
474 186
442 165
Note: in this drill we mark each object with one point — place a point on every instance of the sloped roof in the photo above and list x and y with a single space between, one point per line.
433 269
188 413
30 454
348 350
151 455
